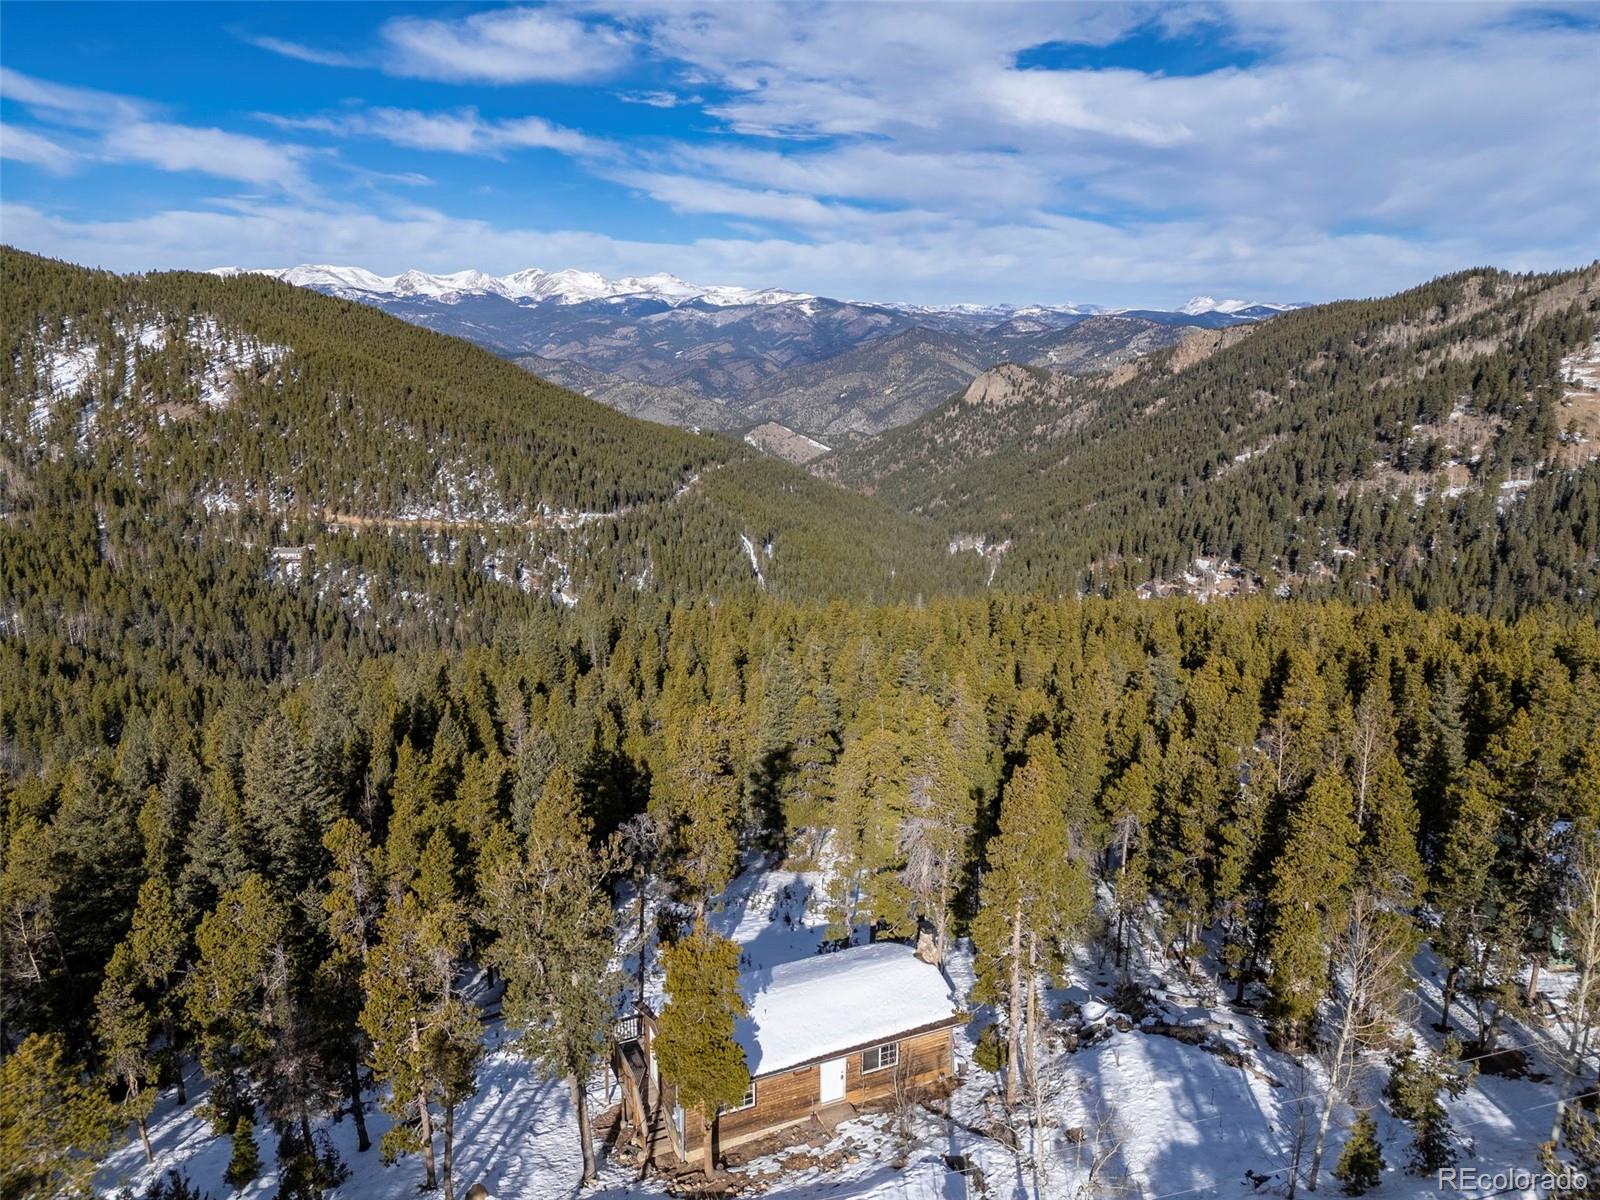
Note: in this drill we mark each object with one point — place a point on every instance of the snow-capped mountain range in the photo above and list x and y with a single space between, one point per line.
572 286
727 357
569 286
1209 304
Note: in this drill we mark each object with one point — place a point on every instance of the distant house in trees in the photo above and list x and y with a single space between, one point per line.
825 1036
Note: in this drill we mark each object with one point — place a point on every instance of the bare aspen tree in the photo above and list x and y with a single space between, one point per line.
1580 915
1370 956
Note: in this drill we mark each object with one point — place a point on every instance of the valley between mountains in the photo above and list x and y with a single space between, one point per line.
729 358
1367 447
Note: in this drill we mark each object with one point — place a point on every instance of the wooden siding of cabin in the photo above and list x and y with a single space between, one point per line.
790 1097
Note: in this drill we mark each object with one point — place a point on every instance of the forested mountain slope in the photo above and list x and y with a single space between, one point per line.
242 475
1429 445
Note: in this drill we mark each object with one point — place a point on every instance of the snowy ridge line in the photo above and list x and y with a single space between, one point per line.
571 285
567 286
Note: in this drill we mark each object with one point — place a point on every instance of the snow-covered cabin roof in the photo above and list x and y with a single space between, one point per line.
800 1011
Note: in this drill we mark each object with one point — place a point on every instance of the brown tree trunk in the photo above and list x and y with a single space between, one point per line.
449 1152
144 1138
170 1028
709 1151
1013 1059
1449 995
1122 881
357 1109
430 1178
580 1101
639 894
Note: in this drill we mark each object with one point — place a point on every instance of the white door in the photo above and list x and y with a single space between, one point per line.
832 1080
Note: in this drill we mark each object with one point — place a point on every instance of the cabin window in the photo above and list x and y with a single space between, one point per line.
879 1057
749 1100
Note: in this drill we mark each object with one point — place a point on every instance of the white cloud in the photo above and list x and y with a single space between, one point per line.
1338 118
129 130
24 145
657 99
517 45
1044 258
209 151
685 193
303 53
957 181
69 105
894 151
457 131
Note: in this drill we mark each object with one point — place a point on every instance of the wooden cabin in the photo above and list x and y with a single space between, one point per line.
824 1037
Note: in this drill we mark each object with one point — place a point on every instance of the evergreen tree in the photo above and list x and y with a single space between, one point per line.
1309 902
937 828
158 947
1416 1081
174 1186
287 804
415 812
33 959
1578 1159
353 905
308 1169
1240 887
426 1040
552 912
54 1125
1442 766
122 1024
694 1040
1129 803
869 805
806 784
1035 893
535 759
1360 1167
696 798
1461 891
237 987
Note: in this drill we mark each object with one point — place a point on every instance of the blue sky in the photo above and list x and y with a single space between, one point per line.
936 152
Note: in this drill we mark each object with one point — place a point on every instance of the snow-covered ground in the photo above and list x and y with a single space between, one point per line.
1131 1112
71 369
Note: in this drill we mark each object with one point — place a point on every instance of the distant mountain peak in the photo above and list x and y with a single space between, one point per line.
569 285
573 285
1210 304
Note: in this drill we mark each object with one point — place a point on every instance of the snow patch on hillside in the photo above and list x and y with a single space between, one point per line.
755 563
980 546
85 372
